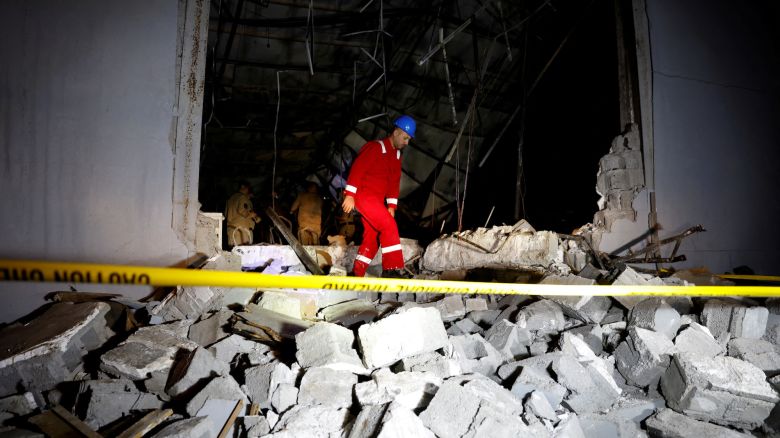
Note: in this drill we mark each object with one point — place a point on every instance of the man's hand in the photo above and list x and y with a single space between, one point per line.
349 204
391 210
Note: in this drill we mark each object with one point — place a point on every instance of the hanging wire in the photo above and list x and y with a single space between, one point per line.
276 125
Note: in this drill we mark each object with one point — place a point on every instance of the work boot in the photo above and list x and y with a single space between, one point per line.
395 273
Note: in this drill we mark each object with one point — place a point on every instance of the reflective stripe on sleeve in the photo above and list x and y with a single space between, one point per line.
391 248
351 189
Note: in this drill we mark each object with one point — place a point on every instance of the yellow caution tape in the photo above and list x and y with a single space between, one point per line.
23 270
771 278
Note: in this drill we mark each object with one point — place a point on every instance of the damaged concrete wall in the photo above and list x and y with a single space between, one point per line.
100 149
715 109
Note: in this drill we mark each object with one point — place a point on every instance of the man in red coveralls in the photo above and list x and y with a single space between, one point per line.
372 188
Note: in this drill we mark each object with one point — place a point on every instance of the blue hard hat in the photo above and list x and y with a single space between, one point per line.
406 124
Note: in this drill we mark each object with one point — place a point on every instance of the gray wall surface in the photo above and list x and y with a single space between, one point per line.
716 111
89 138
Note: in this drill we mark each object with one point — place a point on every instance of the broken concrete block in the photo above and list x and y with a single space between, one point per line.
586 308
400 421
328 345
148 350
740 319
630 277
635 409
483 317
236 297
605 426
211 329
227 349
513 250
312 421
569 427
368 421
280 302
18 405
669 424
537 404
285 325
539 362
509 339
193 369
589 391
261 381
763 354
697 339
465 326
198 427
592 334
451 397
349 313
284 396
49 349
475 355
255 426
404 334
222 387
432 363
532 379
543 317
722 390
476 304
110 400
656 315
409 388
327 387
643 357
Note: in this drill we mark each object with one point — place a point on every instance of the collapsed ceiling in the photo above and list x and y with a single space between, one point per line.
294 88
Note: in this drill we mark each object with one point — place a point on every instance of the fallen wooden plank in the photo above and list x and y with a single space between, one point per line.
74 422
54 426
232 419
147 423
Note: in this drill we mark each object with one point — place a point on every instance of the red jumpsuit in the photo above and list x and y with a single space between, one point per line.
375 179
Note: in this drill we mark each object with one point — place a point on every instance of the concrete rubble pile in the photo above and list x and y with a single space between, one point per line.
359 365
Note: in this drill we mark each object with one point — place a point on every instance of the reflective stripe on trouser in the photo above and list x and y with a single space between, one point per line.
377 222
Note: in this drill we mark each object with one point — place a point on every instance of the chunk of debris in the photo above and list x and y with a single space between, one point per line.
368 421
210 329
194 368
105 401
542 317
656 315
400 421
643 357
586 308
226 349
401 335
722 390
432 363
314 421
328 345
17 405
49 349
222 387
509 339
198 427
538 379
697 339
281 302
148 350
630 277
475 355
327 387
284 325
763 354
261 381
450 307
410 388
349 313
498 247
739 319
589 390
668 424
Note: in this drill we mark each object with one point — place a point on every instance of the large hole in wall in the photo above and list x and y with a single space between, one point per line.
570 119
